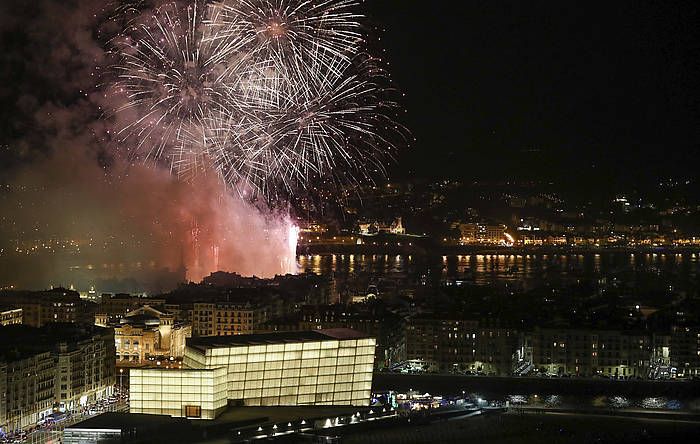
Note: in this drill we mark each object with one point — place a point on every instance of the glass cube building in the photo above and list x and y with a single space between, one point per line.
323 367
191 393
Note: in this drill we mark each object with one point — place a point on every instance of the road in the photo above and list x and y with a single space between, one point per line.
53 434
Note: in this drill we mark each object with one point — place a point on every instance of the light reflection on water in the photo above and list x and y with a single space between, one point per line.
557 269
604 402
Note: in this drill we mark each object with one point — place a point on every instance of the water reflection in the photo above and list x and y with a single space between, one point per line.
614 402
556 269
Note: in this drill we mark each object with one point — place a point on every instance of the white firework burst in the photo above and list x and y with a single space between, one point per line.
271 94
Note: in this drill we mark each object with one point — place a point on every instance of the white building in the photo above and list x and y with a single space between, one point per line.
10 316
323 367
191 393
56 367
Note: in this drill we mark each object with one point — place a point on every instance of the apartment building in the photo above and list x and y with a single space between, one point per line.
226 318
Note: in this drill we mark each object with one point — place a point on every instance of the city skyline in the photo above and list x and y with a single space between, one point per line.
356 221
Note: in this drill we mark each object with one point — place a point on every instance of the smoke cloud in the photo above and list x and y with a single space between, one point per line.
77 224
73 210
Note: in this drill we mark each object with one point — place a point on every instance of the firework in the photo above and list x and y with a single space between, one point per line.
171 76
270 94
295 36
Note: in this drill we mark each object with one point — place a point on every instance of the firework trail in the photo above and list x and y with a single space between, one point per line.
272 95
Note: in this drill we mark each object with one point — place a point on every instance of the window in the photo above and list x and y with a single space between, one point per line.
193 411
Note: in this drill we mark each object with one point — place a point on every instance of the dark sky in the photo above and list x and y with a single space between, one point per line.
602 92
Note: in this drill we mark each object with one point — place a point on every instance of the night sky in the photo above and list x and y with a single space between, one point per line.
603 93
600 92
597 98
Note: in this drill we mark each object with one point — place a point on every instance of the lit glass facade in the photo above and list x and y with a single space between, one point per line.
314 369
194 393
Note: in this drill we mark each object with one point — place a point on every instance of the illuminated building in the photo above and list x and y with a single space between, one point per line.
60 366
226 318
90 295
373 320
84 369
385 326
178 339
445 342
324 367
145 332
479 233
191 393
585 352
10 316
27 384
296 368
395 227
685 350
312 227
531 239
433 339
135 342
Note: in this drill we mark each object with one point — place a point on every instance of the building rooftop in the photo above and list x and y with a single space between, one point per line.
122 421
206 342
131 428
21 341
140 320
